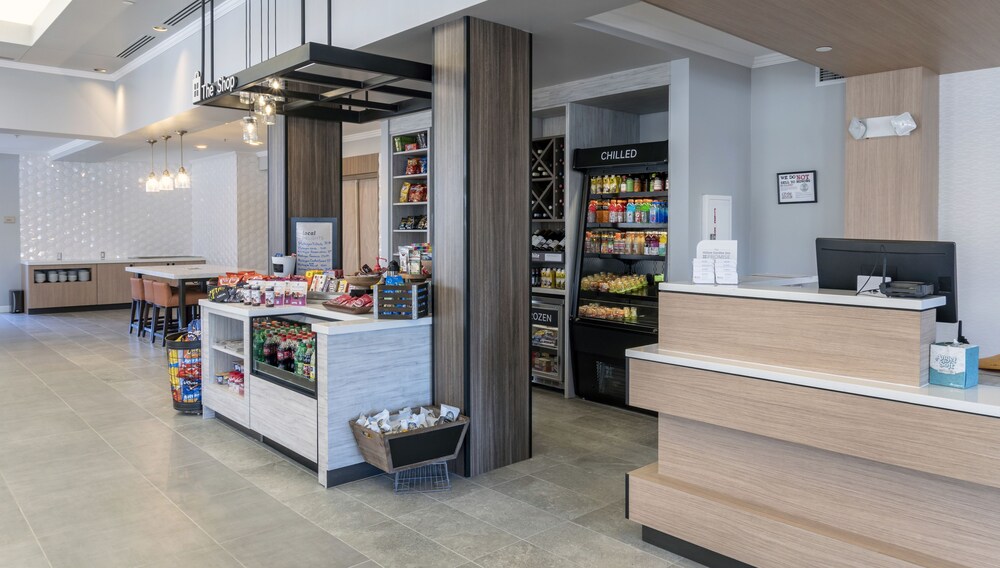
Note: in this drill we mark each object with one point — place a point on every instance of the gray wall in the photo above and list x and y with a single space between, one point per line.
654 126
709 154
794 125
10 239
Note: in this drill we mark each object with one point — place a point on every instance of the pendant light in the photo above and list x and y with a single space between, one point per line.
250 135
166 180
152 184
183 179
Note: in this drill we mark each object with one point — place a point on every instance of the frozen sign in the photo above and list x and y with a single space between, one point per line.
797 187
313 246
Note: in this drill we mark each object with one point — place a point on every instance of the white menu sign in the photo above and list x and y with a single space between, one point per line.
313 246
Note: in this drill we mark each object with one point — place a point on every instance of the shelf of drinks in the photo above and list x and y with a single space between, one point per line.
397 204
649 293
550 291
610 256
410 176
227 351
417 152
627 225
639 194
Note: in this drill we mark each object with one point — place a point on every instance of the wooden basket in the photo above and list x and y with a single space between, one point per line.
365 281
407 450
410 301
347 309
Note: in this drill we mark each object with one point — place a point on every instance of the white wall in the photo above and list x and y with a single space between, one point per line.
229 211
654 127
970 197
251 212
81 209
10 239
794 125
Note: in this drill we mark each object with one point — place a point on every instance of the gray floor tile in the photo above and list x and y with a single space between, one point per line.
610 521
22 554
14 528
283 480
603 464
243 454
460 486
687 563
34 427
523 555
498 476
204 432
604 489
549 497
592 550
294 545
393 545
21 454
336 512
457 531
507 513
213 557
159 456
239 513
198 481
377 492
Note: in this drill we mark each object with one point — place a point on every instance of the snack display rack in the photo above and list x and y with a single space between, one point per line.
410 218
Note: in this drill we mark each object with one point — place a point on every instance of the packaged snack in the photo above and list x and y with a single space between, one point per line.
423 165
404 193
413 166
418 193
279 292
422 223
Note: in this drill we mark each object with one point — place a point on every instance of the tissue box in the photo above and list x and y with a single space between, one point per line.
954 365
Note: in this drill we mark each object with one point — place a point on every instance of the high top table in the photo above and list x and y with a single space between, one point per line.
182 274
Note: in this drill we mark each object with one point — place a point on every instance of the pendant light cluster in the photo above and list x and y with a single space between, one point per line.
167 181
263 109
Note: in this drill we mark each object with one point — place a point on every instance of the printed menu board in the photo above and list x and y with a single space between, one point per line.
315 243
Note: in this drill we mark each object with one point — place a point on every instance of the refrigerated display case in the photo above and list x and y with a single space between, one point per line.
620 261
284 351
547 342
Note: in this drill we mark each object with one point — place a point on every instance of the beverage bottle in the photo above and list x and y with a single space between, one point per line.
663 244
592 212
258 342
300 353
268 349
630 184
630 212
653 213
622 185
649 244
644 211
657 183
618 216
279 356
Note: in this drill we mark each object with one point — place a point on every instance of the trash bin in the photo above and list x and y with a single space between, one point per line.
17 301
184 365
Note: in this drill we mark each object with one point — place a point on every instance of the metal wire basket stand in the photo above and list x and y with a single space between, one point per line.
423 479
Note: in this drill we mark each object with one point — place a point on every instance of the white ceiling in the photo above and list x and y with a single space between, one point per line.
23 144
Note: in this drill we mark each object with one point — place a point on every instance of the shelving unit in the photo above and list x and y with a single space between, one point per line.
548 178
398 177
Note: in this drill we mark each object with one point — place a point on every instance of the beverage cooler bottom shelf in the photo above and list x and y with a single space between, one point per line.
599 364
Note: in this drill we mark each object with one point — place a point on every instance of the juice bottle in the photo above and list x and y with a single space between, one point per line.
622 185
663 244
630 184
592 212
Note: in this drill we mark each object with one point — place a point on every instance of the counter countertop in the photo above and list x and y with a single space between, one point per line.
809 293
77 262
342 322
983 399
182 271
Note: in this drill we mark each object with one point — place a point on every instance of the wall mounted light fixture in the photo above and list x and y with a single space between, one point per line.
879 126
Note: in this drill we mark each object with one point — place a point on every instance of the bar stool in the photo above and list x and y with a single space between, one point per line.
137 313
149 323
165 298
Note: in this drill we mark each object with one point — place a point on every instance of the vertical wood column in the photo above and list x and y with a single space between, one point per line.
313 170
891 183
481 130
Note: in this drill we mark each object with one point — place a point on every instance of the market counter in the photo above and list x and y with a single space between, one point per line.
770 454
361 364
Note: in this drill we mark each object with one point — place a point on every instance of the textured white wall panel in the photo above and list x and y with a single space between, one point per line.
81 209
970 197
213 209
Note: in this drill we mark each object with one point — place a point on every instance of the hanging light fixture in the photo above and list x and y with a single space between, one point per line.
246 98
183 179
250 135
152 184
270 111
166 180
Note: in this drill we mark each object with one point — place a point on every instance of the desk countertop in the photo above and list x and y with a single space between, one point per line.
983 399
808 293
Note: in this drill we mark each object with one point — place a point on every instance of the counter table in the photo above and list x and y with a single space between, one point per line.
362 365
796 428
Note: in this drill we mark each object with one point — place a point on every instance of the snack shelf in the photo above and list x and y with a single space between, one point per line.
223 390
417 152
638 325
228 351
410 176
409 230
397 204
648 293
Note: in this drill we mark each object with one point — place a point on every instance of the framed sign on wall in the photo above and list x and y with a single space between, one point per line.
797 187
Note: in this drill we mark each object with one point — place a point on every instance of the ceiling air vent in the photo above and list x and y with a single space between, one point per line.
139 44
183 13
827 77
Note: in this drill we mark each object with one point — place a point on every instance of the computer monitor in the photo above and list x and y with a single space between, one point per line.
839 262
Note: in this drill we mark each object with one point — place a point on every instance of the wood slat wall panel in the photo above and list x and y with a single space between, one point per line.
951 522
754 535
366 164
868 343
482 116
351 253
313 168
368 229
942 442
891 183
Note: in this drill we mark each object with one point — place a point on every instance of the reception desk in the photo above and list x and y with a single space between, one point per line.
796 429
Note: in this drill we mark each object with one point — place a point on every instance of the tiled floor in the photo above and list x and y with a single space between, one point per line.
96 469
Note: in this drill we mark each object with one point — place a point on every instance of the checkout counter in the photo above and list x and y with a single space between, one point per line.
797 429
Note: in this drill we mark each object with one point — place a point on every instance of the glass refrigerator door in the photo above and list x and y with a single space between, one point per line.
546 344
284 351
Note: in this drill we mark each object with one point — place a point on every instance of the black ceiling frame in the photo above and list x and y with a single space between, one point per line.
342 100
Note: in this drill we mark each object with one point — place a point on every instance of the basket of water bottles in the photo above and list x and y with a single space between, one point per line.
184 366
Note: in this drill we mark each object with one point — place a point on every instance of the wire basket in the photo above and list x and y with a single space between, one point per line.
423 479
184 367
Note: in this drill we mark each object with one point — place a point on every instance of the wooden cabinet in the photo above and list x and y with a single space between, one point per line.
58 294
113 284
360 207
285 416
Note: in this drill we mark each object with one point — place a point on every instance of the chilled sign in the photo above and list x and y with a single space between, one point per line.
619 154
201 91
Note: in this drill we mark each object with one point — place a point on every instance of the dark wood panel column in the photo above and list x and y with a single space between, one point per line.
313 151
481 130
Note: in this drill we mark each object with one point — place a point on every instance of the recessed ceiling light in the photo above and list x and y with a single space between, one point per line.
100 69
824 48
159 28
201 146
